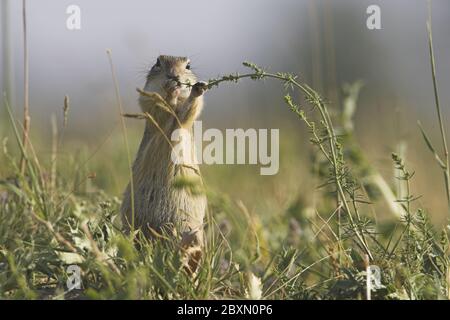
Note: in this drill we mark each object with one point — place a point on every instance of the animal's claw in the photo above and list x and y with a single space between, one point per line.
199 88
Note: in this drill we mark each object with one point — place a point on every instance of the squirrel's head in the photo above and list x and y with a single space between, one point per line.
169 76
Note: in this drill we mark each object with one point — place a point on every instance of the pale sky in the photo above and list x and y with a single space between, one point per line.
218 36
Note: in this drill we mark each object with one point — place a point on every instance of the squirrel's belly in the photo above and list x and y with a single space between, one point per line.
158 203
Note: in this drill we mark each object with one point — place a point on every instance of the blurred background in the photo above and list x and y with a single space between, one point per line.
325 42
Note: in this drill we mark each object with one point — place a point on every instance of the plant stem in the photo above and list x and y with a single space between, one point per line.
125 138
446 169
26 108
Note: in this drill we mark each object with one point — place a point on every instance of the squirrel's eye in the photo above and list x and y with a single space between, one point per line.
188 66
158 63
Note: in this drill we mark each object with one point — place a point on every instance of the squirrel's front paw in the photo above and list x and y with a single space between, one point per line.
199 88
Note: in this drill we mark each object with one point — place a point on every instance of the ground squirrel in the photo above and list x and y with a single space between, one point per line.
158 203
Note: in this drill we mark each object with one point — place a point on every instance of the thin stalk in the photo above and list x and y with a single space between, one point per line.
7 75
26 107
32 173
446 169
125 137
54 155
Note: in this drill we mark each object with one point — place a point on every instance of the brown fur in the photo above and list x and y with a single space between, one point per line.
158 204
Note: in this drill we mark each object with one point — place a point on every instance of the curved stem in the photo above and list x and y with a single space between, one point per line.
312 96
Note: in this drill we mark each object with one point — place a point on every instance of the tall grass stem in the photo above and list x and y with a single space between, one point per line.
125 135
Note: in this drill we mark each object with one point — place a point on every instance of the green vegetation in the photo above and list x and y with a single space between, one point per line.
317 249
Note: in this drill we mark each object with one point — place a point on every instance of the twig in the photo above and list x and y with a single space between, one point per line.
125 137
26 108
54 156
446 169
